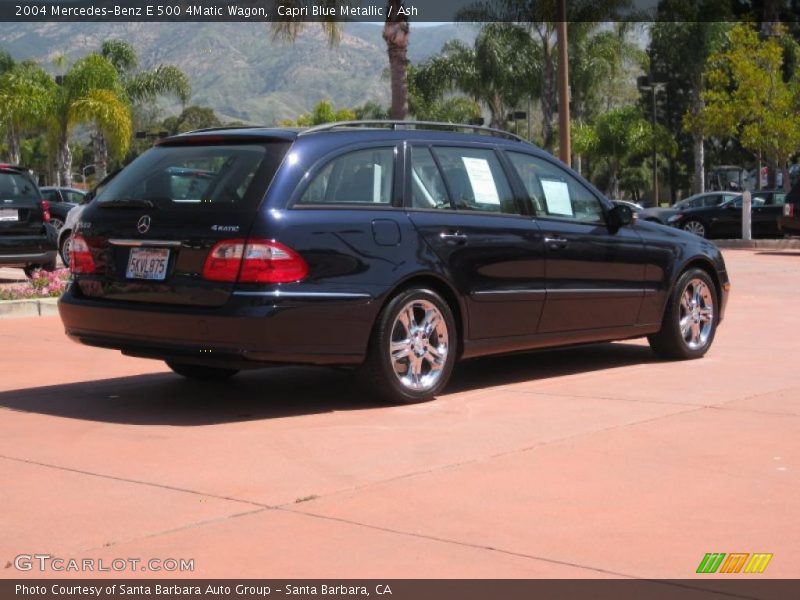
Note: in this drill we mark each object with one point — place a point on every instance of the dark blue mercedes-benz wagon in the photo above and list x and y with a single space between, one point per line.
395 247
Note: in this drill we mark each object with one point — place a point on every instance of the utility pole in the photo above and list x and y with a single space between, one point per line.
564 139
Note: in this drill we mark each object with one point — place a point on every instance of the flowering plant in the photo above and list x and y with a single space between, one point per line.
43 284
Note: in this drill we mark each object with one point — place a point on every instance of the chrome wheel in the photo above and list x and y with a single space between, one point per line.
57 223
696 314
65 246
419 345
695 227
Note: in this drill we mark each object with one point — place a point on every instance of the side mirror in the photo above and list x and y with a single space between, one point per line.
620 216
732 206
88 197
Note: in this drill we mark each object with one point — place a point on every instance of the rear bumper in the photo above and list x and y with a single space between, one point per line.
245 332
789 225
24 250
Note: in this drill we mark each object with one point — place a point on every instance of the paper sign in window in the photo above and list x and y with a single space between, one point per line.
377 175
556 195
481 180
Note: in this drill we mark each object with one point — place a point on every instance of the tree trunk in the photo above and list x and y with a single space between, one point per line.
497 112
100 156
772 174
576 163
548 98
13 145
699 180
64 159
395 33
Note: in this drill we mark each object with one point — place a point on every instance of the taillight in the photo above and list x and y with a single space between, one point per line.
254 261
45 210
80 256
788 210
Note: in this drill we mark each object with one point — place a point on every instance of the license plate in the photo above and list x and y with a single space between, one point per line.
9 214
148 263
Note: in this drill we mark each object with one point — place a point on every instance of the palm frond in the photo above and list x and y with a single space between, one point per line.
110 113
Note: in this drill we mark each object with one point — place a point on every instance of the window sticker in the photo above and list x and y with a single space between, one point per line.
556 196
377 175
481 180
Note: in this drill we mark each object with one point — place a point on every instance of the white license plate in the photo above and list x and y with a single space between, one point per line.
148 263
9 214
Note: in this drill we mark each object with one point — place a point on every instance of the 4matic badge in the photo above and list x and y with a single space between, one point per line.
228 228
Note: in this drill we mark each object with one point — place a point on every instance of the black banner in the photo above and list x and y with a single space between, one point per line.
403 589
382 10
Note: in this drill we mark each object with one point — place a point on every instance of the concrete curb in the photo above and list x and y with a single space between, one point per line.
785 244
39 307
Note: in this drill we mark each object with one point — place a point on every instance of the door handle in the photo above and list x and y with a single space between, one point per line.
453 237
556 242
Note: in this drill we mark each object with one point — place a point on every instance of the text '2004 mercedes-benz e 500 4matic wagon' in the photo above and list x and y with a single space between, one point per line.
394 247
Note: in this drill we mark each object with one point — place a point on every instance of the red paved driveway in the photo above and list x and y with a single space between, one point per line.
595 461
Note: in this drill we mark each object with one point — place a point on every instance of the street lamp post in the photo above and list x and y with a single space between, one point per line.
647 84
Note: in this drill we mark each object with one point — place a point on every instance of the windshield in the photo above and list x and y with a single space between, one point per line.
15 186
225 176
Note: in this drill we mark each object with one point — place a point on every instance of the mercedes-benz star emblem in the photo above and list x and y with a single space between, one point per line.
143 226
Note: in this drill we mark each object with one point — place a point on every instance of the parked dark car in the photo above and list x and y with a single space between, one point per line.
62 200
662 215
789 223
725 220
393 247
27 240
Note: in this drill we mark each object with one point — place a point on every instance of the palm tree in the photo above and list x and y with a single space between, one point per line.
90 92
25 90
138 87
396 31
497 71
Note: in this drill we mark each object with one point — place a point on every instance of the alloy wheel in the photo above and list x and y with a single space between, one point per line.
695 227
696 316
419 345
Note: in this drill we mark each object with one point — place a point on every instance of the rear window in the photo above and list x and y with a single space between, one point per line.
222 177
15 186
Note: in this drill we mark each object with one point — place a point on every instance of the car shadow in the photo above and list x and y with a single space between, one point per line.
167 399
779 253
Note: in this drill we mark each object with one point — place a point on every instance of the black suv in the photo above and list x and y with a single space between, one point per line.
394 247
26 238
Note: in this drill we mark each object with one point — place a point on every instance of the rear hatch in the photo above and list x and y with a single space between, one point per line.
21 211
150 230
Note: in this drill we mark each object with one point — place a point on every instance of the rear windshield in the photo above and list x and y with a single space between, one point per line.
15 186
208 177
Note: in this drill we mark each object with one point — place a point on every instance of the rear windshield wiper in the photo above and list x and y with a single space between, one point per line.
128 203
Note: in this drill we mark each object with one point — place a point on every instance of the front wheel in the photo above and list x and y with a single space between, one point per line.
66 242
690 320
413 348
201 372
696 227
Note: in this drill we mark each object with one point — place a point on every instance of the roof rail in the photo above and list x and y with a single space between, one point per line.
395 125
223 128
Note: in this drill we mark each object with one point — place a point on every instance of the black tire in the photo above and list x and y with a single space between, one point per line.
696 227
30 269
63 248
378 374
670 342
201 372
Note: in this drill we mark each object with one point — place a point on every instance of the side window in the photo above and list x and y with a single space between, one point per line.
554 192
712 200
51 196
73 197
476 180
359 177
427 186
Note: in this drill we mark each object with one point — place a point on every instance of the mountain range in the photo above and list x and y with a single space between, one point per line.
240 69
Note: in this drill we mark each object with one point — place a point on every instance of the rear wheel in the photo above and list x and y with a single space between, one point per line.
413 348
201 372
690 320
57 223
